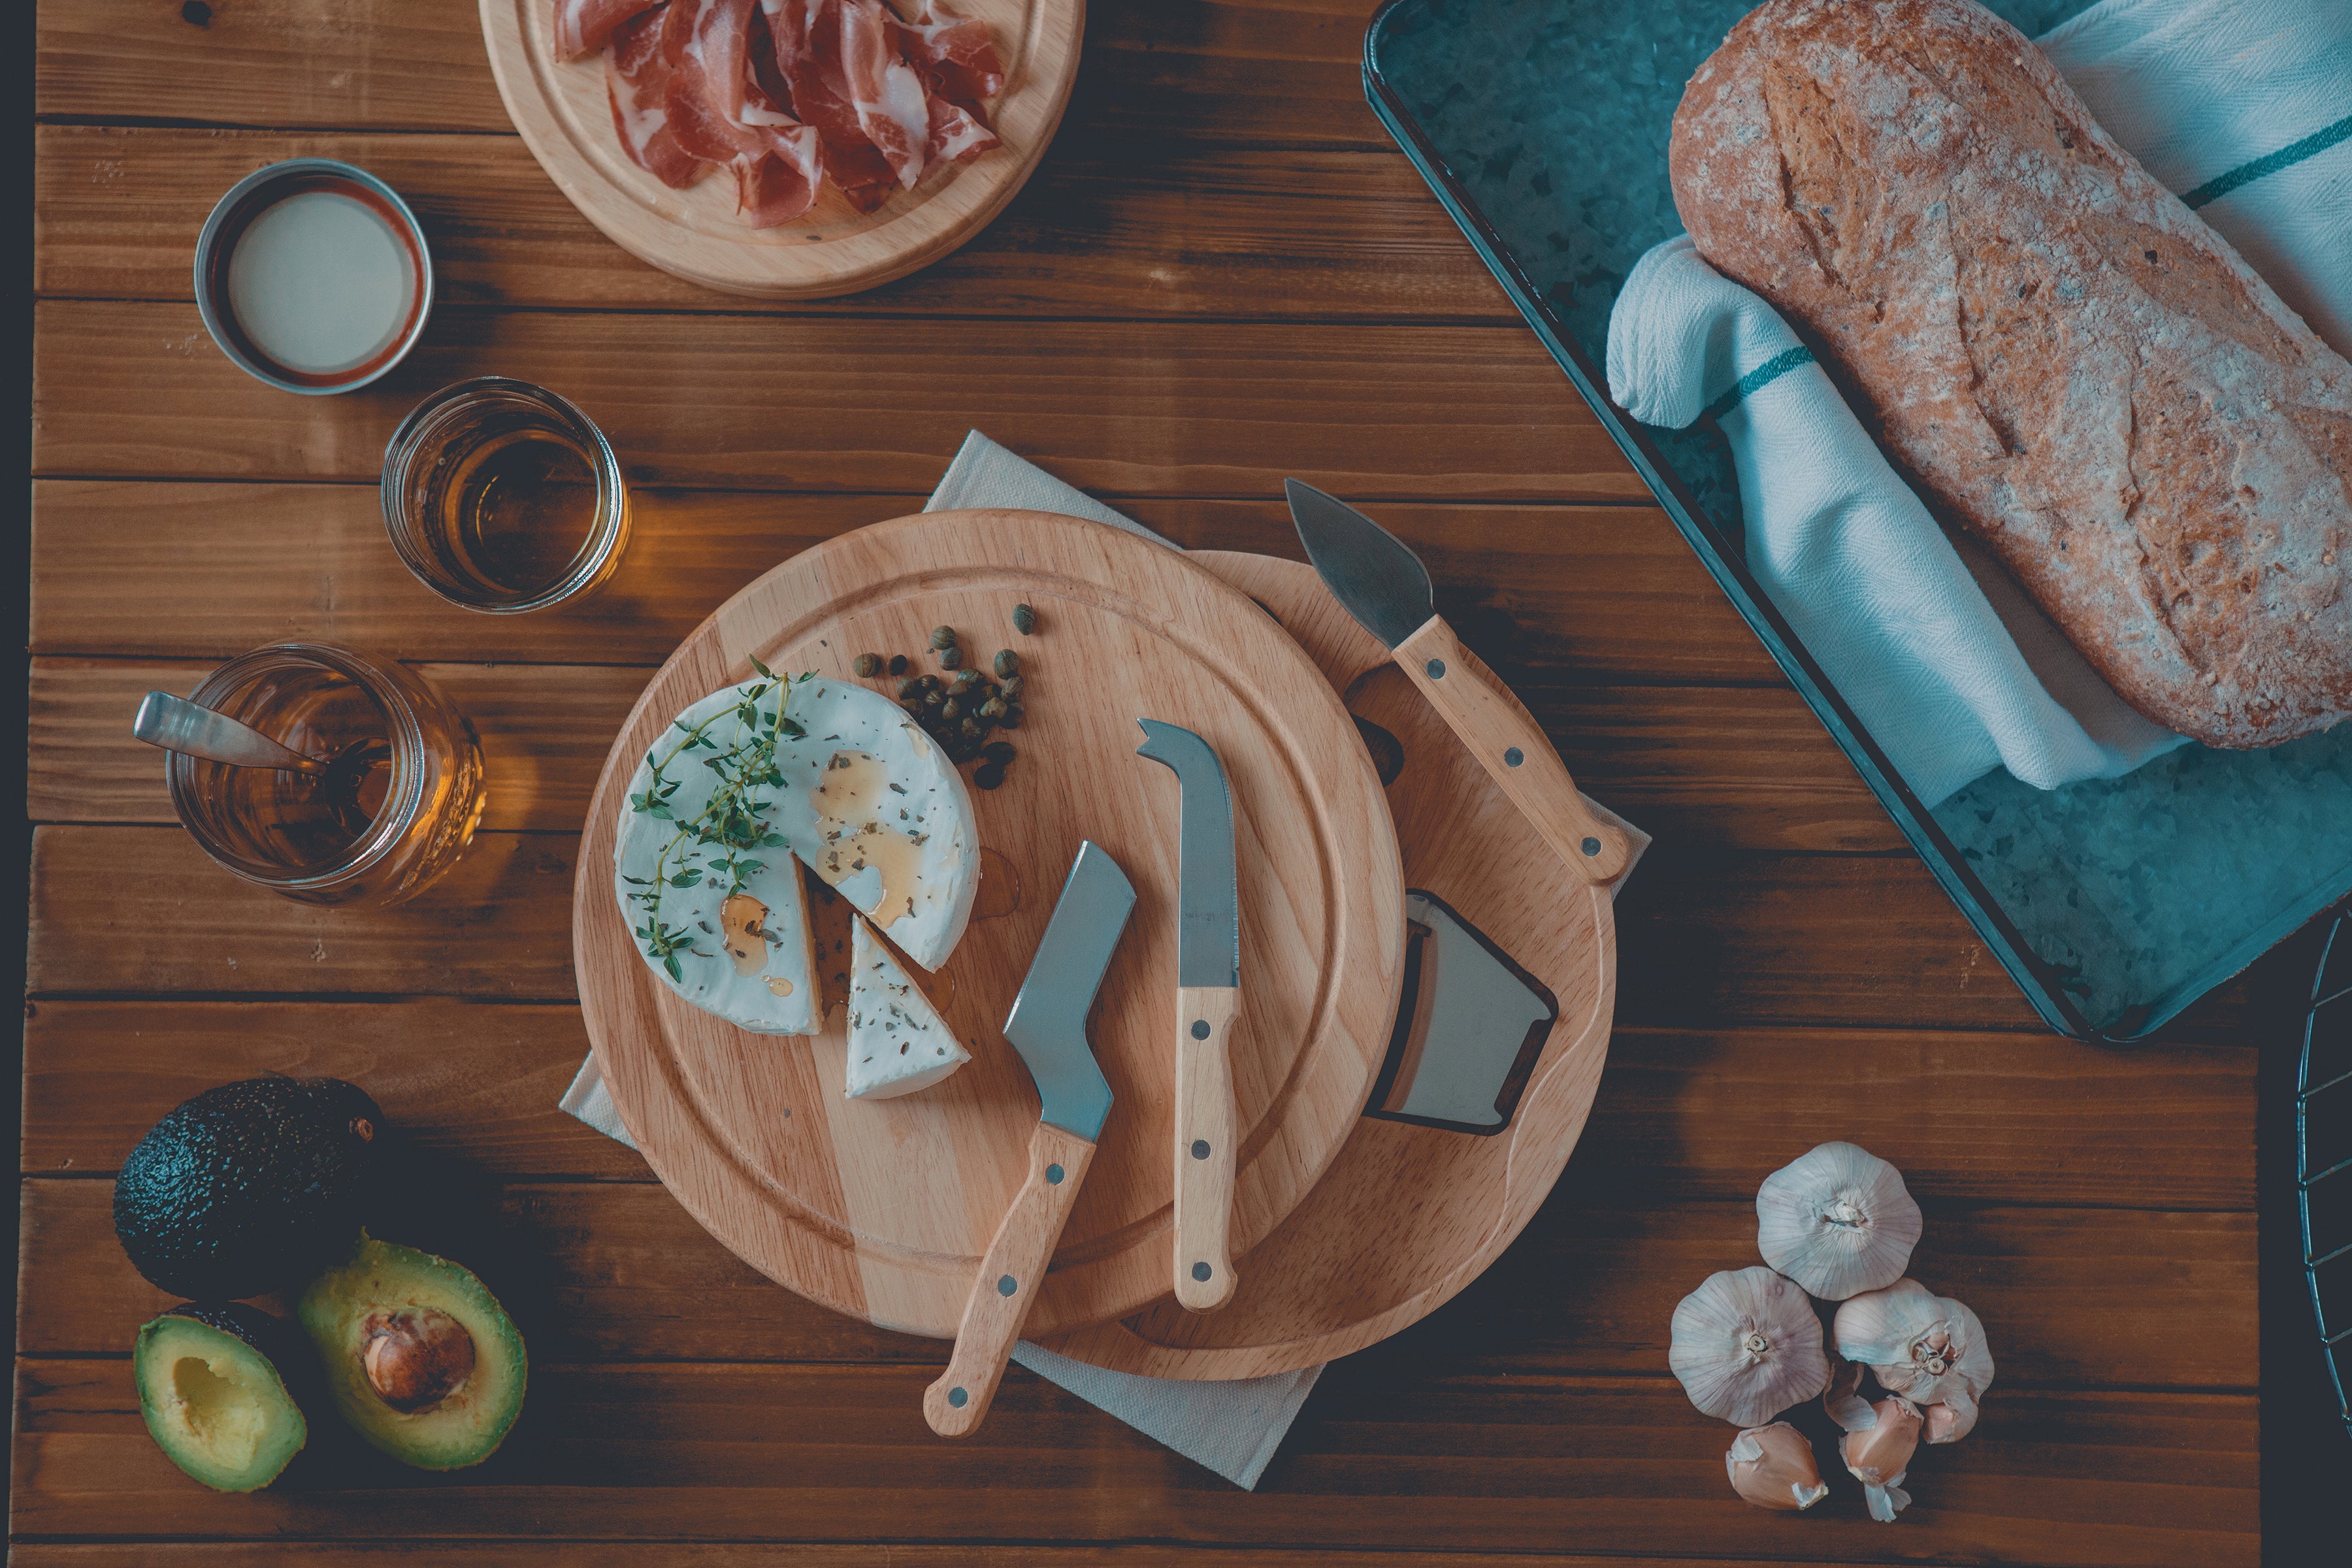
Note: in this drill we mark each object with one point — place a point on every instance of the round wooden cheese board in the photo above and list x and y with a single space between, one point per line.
562 111
1408 1213
881 1209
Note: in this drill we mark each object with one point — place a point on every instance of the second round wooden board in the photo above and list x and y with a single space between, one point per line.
1408 1214
562 111
881 1209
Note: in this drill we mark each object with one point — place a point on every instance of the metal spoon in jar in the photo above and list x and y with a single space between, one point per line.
176 724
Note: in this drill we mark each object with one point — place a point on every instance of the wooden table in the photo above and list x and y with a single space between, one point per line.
1223 273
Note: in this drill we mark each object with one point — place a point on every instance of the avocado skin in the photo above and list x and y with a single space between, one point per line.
466 1428
247 1186
281 1352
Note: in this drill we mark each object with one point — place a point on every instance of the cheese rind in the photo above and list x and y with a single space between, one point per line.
749 957
874 807
897 1041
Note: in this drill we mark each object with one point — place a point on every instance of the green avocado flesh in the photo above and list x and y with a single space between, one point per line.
213 1397
456 1387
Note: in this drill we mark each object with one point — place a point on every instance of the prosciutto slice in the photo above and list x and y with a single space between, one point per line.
955 58
807 39
721 114
637 75
583 26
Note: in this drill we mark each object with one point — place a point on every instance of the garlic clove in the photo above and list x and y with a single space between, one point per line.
1772 1467
1838 1221
1951 1421
1878 1454
1842 1398
1928 1348
1747 1346
1886 1501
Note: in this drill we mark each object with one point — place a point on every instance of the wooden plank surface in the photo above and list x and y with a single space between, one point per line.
1400 1458
1223 273
1119 230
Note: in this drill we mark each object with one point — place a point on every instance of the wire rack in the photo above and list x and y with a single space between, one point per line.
2323 1137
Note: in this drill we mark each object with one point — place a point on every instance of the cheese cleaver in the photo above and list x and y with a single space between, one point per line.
1385 588
1047 1027
1208 995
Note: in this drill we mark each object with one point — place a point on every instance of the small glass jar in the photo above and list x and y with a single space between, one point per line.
400 801
502 497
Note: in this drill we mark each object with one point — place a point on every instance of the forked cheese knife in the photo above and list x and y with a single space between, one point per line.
1047 1027
1208 995
1385 588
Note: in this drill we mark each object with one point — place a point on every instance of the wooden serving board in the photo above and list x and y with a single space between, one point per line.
881 1209
563 112
1408 1214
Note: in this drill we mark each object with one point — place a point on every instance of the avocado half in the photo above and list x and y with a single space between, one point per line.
213 1398
419 1357
248 1187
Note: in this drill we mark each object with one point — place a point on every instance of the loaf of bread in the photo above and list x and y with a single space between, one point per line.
2072 364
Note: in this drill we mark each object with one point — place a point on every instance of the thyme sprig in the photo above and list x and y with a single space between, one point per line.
732 822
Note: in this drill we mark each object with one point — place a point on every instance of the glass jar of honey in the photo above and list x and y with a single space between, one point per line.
395 807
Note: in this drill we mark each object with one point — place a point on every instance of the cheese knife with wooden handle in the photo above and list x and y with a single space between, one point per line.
1047 1028
1208 998
1385 588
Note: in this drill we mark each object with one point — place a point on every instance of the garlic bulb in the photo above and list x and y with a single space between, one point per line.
1928 1348
1772 1467
1747 1346
1838 1221
1879 1454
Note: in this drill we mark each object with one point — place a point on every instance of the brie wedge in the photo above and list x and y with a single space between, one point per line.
742 953
874 806
897 1041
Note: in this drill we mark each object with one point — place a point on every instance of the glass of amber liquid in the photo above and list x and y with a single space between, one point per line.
398 803
502 497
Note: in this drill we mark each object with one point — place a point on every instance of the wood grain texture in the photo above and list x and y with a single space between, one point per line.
883 1209
564 111
794 405
215 569
1988 1117
1270 72
1119 228
1709 938
1006 1283
1386 1458
616 1271
747 1554
1202 1262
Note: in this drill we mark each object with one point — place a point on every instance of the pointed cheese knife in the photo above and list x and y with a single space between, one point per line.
1385 588
1047 1027
1208 996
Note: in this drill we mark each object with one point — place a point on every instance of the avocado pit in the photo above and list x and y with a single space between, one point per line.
416 1357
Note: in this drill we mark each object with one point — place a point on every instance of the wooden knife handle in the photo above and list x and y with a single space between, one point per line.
1510 744
1205 1145
1011 1274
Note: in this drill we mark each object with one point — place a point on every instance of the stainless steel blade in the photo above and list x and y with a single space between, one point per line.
1208 897
1368 569
1048 1021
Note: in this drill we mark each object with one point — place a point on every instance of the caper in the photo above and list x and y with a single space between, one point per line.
1012 716
1011 690
952 709
993 709
943 637
897 664
965 680
866 664
971 730
988 775
912 687
950 657
1008 663
1024 619
999 751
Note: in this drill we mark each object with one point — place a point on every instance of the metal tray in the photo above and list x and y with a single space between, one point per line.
1541 125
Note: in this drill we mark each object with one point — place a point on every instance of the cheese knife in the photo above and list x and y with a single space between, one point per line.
1208 996
1384 586
1047 1027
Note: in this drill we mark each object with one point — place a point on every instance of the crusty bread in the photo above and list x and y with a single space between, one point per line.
2070 362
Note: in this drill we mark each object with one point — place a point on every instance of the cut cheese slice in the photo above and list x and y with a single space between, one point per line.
897 1041
874 806
725 926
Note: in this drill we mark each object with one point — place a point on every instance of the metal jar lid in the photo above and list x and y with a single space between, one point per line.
326 294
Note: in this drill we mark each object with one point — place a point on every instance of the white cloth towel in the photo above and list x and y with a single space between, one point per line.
2242 106
1945 662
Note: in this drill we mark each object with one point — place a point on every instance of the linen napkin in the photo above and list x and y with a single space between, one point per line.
1232 1427
2240 105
